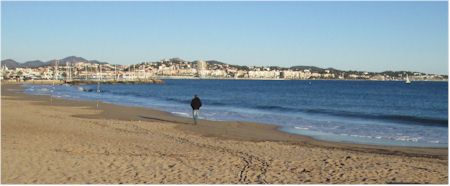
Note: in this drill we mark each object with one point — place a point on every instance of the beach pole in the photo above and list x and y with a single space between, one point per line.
51 92
67 71
98 91
56 69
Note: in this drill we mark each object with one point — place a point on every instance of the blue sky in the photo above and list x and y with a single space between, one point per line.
371 36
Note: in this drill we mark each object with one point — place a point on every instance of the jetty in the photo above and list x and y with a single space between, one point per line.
83 82
139 81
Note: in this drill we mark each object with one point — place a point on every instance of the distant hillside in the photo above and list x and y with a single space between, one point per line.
312 68
214 62
10 63
38 63
74 59
32 64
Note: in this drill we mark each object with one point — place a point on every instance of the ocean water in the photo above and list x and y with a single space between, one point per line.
367 112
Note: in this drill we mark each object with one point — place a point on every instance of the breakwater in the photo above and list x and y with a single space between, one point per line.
83 82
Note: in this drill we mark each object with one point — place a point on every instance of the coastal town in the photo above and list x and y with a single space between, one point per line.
77 68
224 92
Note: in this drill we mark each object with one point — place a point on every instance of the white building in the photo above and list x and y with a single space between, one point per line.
202 66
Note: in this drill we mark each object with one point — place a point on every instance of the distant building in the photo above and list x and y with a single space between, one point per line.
202 66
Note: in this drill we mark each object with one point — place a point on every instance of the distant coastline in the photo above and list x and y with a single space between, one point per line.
215 78
77 68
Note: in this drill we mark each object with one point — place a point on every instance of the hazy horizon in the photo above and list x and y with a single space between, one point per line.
363 36
215 60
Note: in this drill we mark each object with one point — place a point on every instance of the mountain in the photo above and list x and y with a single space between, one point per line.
38 63
312 68
72 60
10 63
75 59
333 69
32 64
214 62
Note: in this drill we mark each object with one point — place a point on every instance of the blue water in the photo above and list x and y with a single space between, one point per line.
368 112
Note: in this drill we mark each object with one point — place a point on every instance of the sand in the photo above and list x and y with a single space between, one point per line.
59 141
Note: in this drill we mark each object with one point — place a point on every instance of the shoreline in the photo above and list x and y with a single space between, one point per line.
228 130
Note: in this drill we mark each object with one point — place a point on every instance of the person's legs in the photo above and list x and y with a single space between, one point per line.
195 115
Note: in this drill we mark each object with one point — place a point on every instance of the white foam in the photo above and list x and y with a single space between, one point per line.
43 89
407 138
181 114
301 128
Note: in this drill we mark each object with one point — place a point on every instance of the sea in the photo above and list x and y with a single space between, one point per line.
389 113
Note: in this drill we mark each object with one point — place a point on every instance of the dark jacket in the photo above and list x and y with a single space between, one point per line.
196 103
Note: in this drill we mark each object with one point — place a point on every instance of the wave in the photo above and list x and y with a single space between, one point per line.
178 100
430 121
278 108
181 114
301 128
385 117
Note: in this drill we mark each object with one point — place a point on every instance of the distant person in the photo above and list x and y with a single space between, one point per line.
195 104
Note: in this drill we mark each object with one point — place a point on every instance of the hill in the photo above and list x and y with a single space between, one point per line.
11 64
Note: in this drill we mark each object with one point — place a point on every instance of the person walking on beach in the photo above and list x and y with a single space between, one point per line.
195 104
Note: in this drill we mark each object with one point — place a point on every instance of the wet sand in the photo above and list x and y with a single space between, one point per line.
60 141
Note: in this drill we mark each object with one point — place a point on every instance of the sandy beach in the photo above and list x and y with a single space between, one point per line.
49 140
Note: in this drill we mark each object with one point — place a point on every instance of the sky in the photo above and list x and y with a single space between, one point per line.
366 36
